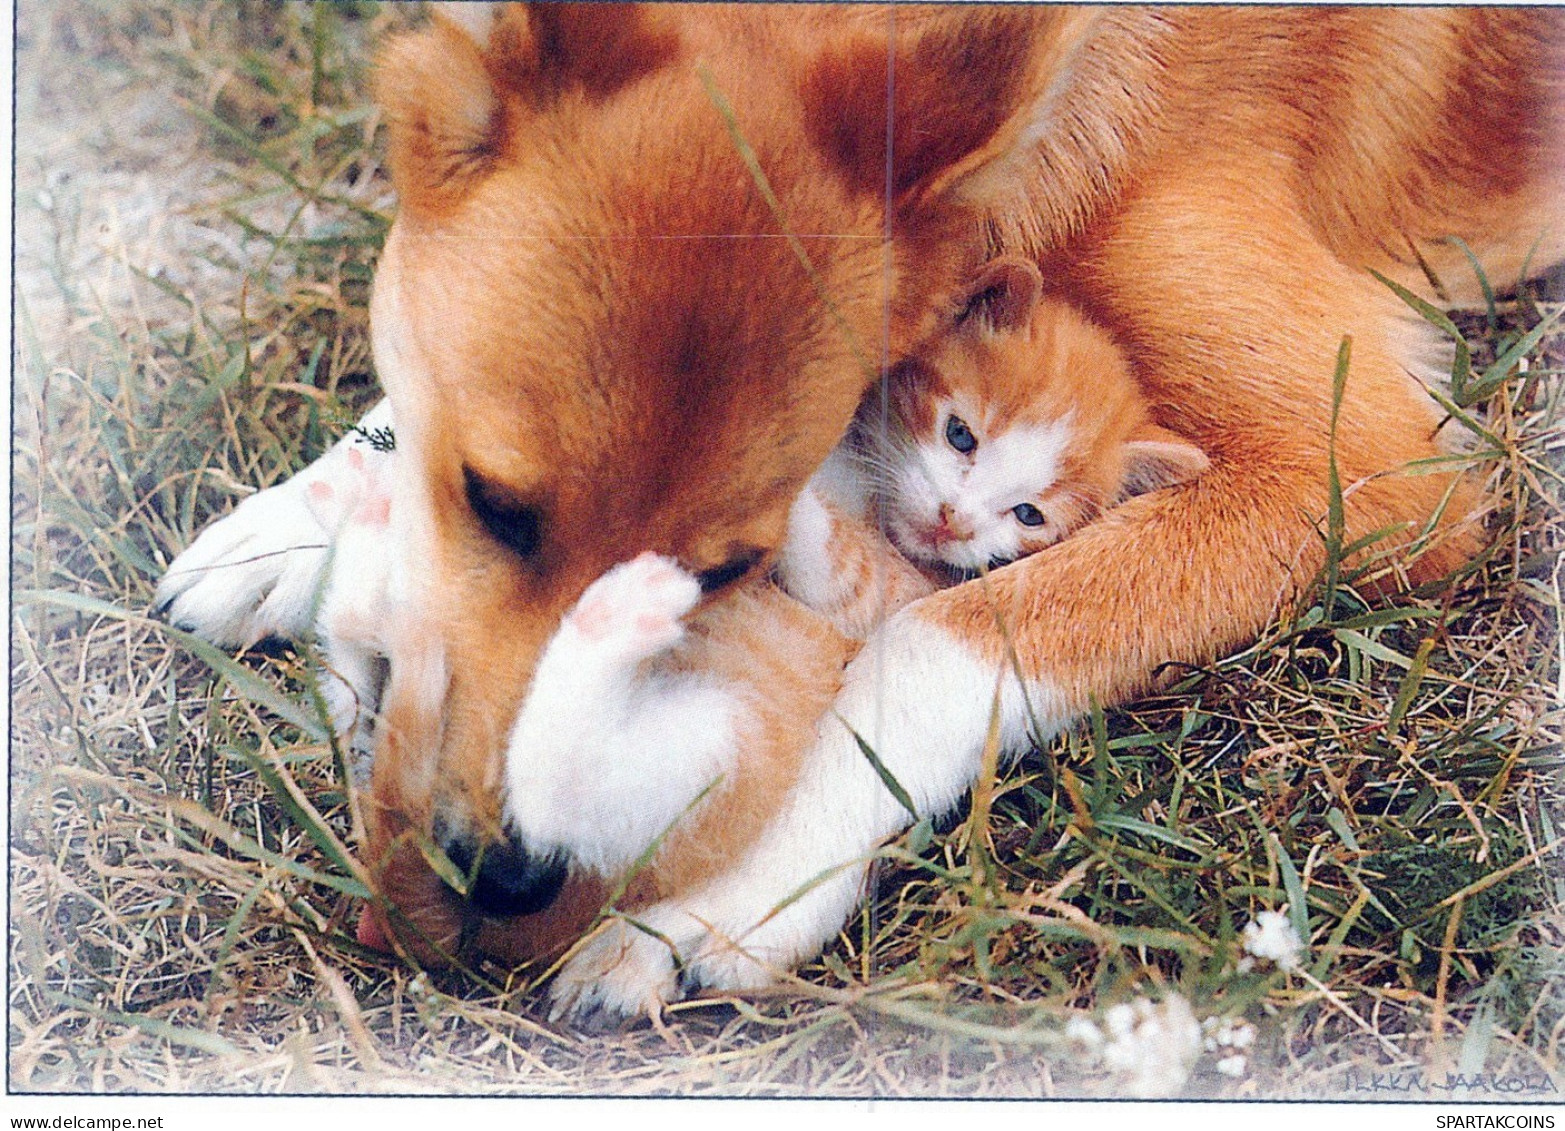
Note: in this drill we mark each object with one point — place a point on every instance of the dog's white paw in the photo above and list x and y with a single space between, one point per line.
632 613
621 971
356 610
252 574
721 963
720 939
257 572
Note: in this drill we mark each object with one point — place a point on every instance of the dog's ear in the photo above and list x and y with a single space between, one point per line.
541 48
450 90
960 88
1156 458
1002 296
442 110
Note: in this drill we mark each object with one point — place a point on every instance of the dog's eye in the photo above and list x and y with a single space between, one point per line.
959 435
1027 514
729 572
516 525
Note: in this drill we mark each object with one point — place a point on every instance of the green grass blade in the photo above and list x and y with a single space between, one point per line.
1361 643
1462 367
1417 670
300 811
1338 823
1497 373
1298 912
1484 285
155 1026
1153 832
196 814
886 776
1336 519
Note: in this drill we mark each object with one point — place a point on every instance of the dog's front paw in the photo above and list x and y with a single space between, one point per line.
721 964
632 613
622 971
673 949
252 574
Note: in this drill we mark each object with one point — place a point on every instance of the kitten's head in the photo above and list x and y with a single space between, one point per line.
1014 429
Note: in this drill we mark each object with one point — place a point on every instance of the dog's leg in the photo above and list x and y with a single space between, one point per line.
257 571
358 606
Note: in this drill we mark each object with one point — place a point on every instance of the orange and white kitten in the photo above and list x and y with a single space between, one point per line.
1007 433
1014 430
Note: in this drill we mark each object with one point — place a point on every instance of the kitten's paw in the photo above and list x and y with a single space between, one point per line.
621 971
249 575
633 611
806 565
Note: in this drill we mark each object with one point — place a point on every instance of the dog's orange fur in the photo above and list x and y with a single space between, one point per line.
594 311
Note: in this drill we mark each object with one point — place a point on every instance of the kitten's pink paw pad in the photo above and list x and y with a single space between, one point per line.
649 624
634 610
593 617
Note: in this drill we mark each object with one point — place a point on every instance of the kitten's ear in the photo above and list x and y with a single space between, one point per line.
1002 296
1156 458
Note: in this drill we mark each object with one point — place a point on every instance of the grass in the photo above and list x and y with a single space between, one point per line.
200 202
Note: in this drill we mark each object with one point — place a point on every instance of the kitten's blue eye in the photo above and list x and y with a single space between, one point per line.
1027 514
959 435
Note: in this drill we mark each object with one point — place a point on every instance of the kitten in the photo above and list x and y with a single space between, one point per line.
1013 430
1004 435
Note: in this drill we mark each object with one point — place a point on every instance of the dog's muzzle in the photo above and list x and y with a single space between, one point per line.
509 880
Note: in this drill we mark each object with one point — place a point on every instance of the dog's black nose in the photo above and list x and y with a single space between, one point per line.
509 880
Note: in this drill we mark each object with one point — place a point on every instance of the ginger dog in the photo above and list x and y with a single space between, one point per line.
648 260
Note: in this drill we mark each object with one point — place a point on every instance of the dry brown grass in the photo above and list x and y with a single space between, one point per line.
200 204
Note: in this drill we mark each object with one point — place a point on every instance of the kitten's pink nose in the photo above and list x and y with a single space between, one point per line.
950 528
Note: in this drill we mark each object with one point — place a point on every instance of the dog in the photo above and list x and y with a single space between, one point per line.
647 263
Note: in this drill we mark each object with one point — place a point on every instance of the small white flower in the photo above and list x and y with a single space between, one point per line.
1155 1045
1232 1065
1121 1019
1228 1035
1081 1030
1271 936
